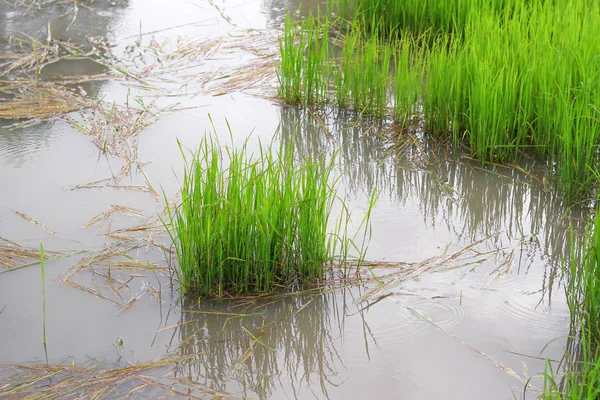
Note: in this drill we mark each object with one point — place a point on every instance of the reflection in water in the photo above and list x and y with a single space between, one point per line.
468 200
284 343
276 9
66 21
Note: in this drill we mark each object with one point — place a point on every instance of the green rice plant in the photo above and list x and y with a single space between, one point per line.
585 282
246 222
42 262
362 79
582 370
581 380
391 17
407 86
443 89
502 76
522 79
304 50
310 74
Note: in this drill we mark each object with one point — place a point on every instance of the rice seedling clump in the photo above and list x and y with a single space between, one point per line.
246 222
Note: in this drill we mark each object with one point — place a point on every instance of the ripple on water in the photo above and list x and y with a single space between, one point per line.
443 312
520 307
396 324
18 147
83 196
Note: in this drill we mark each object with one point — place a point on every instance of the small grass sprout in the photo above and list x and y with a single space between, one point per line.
42 263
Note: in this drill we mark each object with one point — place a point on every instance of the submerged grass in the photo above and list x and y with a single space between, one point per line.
502 76
248 222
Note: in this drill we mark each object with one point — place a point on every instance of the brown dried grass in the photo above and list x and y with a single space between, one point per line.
35 101
93 381
114 130
13 255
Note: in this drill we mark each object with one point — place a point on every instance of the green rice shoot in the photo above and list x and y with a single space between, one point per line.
247 222
580 378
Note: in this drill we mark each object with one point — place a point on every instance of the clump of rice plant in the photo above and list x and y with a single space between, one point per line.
356 73
246 222
304 50
361 77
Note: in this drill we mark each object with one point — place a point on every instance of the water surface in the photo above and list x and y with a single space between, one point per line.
471 327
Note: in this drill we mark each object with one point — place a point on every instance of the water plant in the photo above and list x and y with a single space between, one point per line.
42 262
502 77
304 55
581 379
246 222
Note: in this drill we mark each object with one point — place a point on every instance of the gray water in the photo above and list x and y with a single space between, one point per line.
470 328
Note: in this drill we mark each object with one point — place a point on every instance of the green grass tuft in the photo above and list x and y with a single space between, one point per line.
247 222
581 378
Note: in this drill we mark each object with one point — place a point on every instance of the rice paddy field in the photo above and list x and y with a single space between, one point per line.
423 185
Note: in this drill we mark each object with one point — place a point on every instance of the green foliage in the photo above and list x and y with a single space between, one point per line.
503 76
582 370
42 263
247 222
304 54
581 380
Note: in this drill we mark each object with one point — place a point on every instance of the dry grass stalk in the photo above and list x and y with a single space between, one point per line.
255 74
408 271
172 68
35 100
107 183
115 208
93 382
188 50
158 67
109 265
146 288
12 255
136 188
33 221
28 56
498 364
92 185
136 265
114 131
39 3
96 292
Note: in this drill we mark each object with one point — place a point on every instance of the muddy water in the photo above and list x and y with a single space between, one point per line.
466 324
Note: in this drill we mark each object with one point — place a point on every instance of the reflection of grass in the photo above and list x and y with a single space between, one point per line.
484 199
262 343
253 222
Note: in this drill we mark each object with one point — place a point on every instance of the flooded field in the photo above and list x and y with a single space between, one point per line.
461 296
